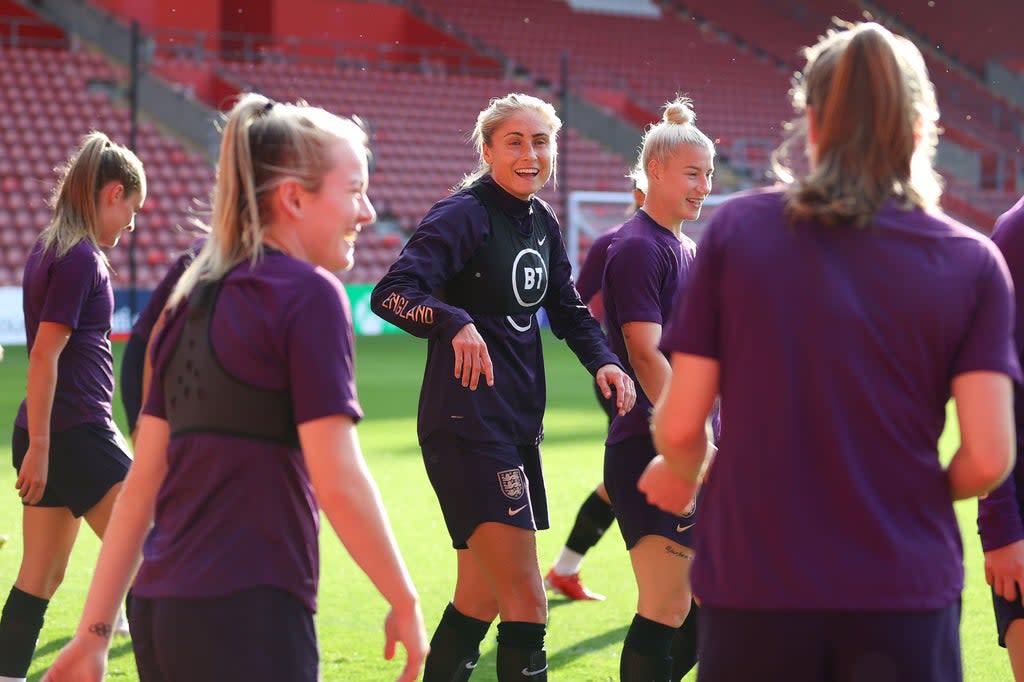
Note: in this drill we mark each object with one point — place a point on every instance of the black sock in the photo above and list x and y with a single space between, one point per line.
521 652
455 647
684 645
592 521
20 624
645 652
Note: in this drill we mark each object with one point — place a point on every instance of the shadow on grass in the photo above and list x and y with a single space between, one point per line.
565 657
123 648
586 647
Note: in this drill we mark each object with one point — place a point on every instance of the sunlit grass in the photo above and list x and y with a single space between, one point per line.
584 639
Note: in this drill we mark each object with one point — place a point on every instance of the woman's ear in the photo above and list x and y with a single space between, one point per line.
112 192
653 170
289 197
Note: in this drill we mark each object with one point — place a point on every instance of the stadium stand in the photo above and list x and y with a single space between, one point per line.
970 33
420 152
420 98
739 95
53 97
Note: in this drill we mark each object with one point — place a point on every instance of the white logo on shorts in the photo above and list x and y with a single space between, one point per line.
512 485
513 512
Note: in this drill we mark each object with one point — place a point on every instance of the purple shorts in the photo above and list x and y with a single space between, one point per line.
829 645
86 461
478 482
261 634
1006 612
623 463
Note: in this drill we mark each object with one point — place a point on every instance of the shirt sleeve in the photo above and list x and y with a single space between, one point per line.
592 270
72 279
694 325
569 317
633 277
320 352
445 240
989 342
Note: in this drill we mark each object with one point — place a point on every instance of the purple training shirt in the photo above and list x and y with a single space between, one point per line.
646 267
74 291
999 513
592 270
512 410
229 502
837 348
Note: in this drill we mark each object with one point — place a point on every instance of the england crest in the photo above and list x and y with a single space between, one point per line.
511 481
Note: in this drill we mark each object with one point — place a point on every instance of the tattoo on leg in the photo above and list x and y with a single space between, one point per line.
103 630
678 552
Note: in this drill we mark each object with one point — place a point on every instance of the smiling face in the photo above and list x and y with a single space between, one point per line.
520 153
680 185
116 212
333 216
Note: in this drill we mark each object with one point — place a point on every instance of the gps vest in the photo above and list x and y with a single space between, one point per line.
508 274
201 396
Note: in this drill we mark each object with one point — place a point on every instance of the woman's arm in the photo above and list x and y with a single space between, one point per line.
349 497
679 428
84 657
445 240
650 364
51 339
987 449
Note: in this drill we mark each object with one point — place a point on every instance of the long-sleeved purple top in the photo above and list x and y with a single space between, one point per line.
411 296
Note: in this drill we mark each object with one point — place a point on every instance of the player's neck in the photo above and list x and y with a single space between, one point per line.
664 219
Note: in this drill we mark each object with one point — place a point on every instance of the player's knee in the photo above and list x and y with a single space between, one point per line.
42 584
527 603
668 610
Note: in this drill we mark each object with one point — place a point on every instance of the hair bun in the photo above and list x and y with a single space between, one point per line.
679 111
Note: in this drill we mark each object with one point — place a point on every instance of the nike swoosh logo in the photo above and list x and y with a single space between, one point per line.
540 242
513 512
470 665
680 529
531 673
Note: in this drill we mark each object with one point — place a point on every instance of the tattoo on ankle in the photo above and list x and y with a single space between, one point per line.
679 553
101 630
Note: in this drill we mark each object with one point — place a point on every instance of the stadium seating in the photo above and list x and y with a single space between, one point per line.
52 98
420 126
969 32
736 66
739 95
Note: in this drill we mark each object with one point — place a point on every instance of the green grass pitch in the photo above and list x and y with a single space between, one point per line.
584 638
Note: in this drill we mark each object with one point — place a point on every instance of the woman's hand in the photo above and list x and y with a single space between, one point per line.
1004 571
80 661
666 489
32 475
472 358
406 626
609 376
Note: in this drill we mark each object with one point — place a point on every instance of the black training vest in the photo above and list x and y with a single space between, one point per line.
201 396
508 274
